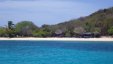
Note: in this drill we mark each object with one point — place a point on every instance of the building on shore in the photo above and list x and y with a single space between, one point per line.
90 35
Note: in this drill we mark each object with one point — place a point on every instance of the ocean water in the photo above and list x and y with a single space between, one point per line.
55 52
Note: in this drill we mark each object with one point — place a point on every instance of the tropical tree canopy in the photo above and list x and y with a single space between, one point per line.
110 31
25 28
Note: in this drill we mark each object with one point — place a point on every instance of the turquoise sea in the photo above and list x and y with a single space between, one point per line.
55 52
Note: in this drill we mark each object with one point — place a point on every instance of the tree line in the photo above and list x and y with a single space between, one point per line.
29 29
24 29
99 22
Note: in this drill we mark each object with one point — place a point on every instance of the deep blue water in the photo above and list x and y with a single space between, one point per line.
55 52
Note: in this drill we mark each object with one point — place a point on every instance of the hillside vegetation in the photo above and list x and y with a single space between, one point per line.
98 22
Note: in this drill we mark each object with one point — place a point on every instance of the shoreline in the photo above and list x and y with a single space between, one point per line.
58 39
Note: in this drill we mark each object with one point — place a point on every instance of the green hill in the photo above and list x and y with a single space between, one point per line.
100 21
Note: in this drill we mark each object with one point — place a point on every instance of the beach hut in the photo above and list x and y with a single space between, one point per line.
87 35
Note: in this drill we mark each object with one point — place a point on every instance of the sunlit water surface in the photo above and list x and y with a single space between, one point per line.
55 52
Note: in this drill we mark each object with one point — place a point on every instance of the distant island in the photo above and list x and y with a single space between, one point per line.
97 24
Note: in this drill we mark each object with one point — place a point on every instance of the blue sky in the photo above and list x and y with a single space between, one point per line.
48 11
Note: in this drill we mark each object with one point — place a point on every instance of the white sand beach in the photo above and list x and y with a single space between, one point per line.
60 39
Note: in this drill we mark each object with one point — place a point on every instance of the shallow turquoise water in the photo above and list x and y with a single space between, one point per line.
55 52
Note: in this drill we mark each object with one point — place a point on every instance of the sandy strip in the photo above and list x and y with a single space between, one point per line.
59 39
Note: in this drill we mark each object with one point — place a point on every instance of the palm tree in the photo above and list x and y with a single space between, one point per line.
11 30
10 25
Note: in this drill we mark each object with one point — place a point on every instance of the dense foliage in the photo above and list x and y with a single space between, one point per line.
25 28
110 31
98 22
